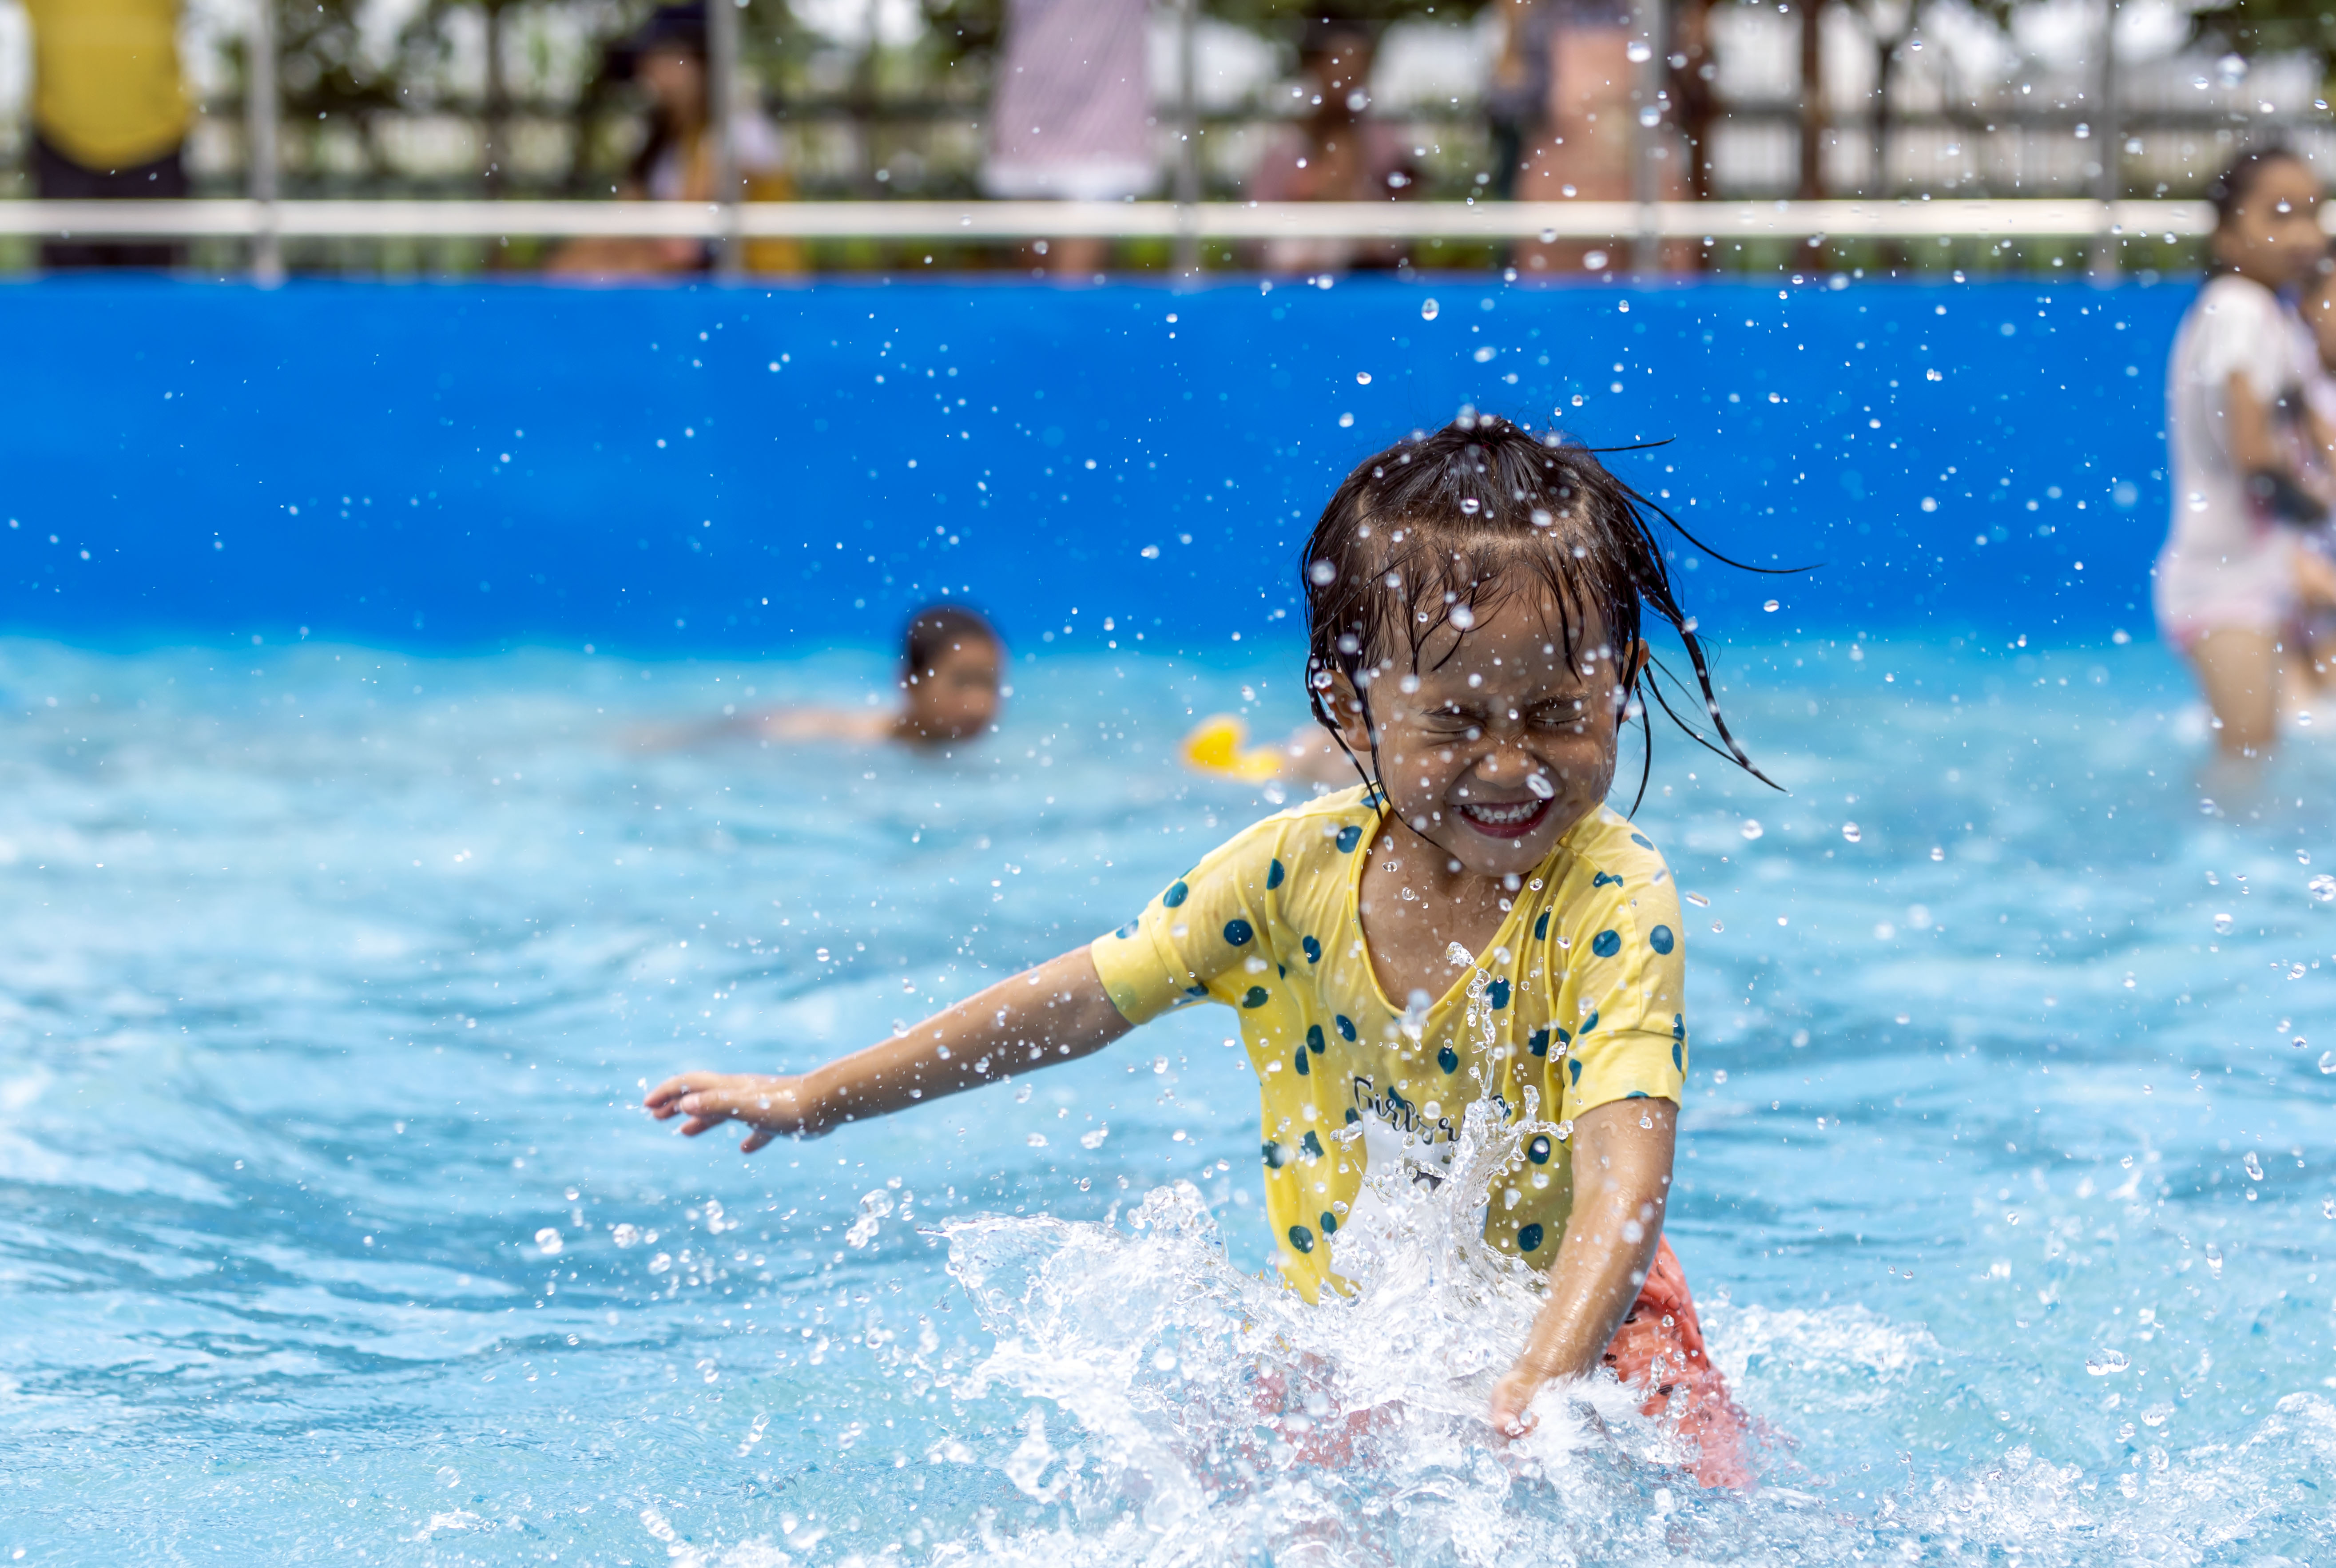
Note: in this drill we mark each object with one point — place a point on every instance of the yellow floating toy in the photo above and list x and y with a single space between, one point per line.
1215 746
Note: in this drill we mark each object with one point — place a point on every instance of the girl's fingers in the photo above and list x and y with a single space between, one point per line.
756 1141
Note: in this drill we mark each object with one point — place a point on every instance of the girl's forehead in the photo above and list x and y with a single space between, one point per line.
1523 632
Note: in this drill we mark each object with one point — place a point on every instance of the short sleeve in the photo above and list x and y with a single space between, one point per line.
1203 925
2242 327
1629 987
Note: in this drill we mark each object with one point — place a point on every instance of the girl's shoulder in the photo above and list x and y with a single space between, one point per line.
2229 300
1606 857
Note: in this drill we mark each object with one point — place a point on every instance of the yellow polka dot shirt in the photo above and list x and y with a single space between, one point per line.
1587 985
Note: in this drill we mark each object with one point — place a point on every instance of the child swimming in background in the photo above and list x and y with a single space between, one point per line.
1473 611
952 668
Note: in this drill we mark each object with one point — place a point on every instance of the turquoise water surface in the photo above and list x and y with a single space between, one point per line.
330 1229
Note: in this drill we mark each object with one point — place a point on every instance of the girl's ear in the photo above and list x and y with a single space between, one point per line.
1347 709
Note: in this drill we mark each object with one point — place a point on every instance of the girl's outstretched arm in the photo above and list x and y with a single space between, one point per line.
1054 1013
1621 1177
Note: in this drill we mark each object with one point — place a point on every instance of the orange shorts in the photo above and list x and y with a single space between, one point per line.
1658 1350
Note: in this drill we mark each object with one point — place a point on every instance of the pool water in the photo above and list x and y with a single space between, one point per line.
330 1227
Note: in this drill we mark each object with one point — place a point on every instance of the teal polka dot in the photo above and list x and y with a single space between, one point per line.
1237 932
1301 1059
1528 1238
1255 997
1606 944
1353 1116
1448 1059
1679 1025
1643 840
1312 1145
1346 1026
1538 1043
1348 837
1273 875
1662 940
1329 1223
1175 895
1575 1067
1541 927
1603 878
1311 949
1678 1058
1275 1155
1127 930
1497 993
1590 1023
1301 1238
1538 1151
1636 1095
1314 1041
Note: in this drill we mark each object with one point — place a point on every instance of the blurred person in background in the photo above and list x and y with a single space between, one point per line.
1070 117
667 60
951 685
1560 102
1336 153
110 116
2235 580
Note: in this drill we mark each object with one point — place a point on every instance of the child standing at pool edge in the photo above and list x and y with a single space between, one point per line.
1474 604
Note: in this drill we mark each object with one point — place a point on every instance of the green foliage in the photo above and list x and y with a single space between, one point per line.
2257 27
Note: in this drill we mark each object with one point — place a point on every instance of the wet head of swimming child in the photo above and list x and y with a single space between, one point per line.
952 674
1474 601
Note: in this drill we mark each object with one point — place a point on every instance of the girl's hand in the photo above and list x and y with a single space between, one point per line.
1512 1397
773 1106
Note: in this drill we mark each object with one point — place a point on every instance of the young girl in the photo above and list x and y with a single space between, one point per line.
1474 602
2231 581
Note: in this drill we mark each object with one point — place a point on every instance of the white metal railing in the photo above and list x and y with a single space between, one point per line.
1014 220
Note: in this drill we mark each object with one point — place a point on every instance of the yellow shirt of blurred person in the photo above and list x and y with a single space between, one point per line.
107 90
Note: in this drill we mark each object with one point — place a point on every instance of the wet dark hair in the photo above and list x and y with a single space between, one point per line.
1444 528
2229 190
937 631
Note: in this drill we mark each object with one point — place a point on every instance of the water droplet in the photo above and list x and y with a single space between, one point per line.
2322 888
1938 854
1427 309
1638 52
1699 900
1716 926
1539 785
2328 1208
1752 828
1771 606
2327 1061
2214 1261
547 1241
1362 379
2303 857
449 1476
2101 1363
1849 830
2221 925
1322 573
626 1235
2254 1166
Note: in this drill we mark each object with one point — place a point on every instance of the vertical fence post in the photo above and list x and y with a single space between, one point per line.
1649 56
260 128
722 109
2109 135
1188 140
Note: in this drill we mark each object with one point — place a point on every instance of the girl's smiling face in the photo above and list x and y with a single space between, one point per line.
1505 735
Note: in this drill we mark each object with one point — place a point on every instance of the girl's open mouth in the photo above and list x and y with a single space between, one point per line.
1504 819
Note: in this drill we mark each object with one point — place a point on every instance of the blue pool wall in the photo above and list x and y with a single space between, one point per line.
460 468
